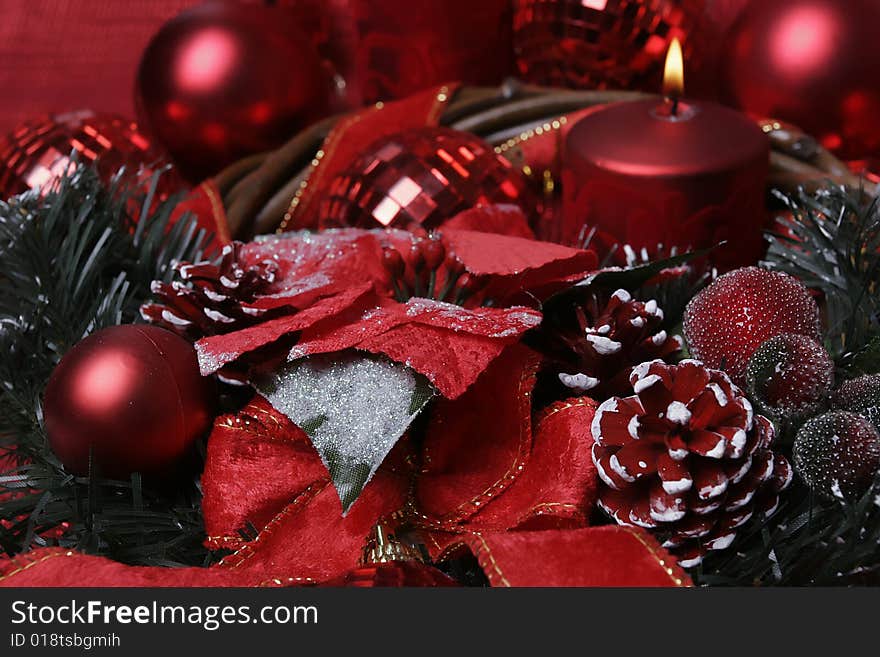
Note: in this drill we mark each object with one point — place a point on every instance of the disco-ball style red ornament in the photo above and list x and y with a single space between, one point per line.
417 179
129 399
599 43
38 152
810 62
224 80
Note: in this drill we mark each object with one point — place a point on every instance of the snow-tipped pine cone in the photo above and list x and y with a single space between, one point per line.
597 349
211 299
686 457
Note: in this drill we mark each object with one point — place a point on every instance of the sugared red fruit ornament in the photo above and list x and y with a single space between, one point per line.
811 62
860 395
594 346
726 322
228 79
790 375
37 153
130 399
588 44
417 179
685 457
837 454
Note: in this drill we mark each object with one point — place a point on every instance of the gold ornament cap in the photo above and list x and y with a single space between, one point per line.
383 546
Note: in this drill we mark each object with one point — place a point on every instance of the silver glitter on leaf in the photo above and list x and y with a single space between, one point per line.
353 406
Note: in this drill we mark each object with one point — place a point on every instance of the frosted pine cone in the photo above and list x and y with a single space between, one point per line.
686 458
211 299
597 349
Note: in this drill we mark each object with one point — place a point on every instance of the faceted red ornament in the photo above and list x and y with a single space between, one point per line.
393 573
811 62
419 179
132 396
225 80
37 153
598 43
726 322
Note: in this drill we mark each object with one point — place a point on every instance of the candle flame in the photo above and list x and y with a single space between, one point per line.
673 72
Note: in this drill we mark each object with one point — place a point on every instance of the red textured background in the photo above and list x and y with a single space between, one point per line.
58 55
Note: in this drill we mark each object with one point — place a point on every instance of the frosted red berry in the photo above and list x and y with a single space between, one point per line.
790 375
726 322
860 395
837 454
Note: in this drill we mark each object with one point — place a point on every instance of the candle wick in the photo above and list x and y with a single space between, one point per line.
674 109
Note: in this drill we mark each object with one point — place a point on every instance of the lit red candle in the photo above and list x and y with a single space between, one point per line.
668 172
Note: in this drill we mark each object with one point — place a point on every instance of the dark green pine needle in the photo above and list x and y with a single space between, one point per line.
75 260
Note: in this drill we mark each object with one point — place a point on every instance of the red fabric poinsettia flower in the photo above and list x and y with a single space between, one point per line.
515 491
445 304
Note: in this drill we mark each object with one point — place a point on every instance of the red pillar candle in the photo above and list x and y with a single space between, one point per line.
663 172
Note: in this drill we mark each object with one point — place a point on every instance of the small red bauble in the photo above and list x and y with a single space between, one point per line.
37 153
225 80
725 323
598 43
419 179
132 396
393 574
811 62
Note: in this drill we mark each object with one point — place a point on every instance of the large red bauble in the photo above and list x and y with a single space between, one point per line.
599 43
132 396
37 153
417 179
225 80
811 62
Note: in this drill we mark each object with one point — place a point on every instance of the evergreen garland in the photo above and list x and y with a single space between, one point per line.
83 257
77 259
831 242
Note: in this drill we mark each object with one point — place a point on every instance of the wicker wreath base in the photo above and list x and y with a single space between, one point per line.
257 190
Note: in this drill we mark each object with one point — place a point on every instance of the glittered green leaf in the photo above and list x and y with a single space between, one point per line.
353 406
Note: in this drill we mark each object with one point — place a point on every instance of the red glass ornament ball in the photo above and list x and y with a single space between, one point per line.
37 153
417 179
393 574
226 79
131 395
811 62
599 43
